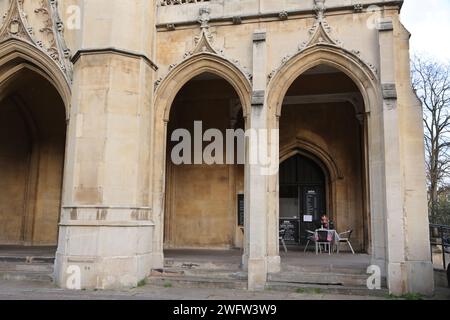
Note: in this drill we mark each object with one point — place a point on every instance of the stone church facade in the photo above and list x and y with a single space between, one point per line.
92 90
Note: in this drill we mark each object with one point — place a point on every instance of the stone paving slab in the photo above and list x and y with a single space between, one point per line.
15 290
22 290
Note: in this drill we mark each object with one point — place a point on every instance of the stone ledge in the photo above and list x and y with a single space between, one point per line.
115 224
105 214
113 50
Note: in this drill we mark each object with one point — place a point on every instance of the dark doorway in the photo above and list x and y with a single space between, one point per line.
302 198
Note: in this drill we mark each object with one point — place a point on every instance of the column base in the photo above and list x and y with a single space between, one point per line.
411 277
381 263
104 254
397 278
420 277
157 260
257 274
103 273
244 262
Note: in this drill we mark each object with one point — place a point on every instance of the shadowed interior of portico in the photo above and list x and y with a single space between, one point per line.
201 198
322 158
32 150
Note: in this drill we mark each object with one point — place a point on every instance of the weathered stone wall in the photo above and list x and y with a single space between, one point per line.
284 37
112 217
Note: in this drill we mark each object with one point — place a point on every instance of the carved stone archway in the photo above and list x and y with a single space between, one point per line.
367 82
20 58
17 55
324 54
166 92
315 150
194 66
324 160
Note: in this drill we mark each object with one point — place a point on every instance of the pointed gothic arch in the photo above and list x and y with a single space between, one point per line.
366 80
301 145
324 160
17 55
200 63
331 55
194 66
37 137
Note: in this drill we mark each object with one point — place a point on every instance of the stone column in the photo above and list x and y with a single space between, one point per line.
418 254
158 194
106 227
273 206
395 220
409 269
255 255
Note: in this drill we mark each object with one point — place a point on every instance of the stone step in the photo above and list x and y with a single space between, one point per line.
26 259
205 273
183 264
197 282
326 289
325 269
184 281
27 267
322 278
26 276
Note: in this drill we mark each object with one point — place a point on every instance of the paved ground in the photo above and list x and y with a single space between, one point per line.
19 290
294 257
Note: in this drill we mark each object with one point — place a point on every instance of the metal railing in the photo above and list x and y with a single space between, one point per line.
440 244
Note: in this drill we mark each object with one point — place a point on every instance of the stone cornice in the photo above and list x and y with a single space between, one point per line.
113 50
274 15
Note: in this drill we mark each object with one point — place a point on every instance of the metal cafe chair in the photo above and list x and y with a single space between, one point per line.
282 233
311 237
345 238
325 238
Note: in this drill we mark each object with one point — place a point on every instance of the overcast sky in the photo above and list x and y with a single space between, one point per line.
429 23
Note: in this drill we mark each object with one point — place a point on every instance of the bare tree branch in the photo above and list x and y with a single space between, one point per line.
431 81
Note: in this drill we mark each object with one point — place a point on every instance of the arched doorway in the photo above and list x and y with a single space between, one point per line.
303 197
32 149
202 196
165 95
324 110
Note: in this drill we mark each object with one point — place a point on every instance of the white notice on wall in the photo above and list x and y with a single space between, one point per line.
307 218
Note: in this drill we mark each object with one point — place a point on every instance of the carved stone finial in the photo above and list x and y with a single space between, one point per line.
358 7
319 7
320 32
204 17
283 15
14 24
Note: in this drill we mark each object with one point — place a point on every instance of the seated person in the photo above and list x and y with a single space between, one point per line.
324 221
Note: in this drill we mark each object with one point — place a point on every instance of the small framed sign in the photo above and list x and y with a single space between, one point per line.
241 209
